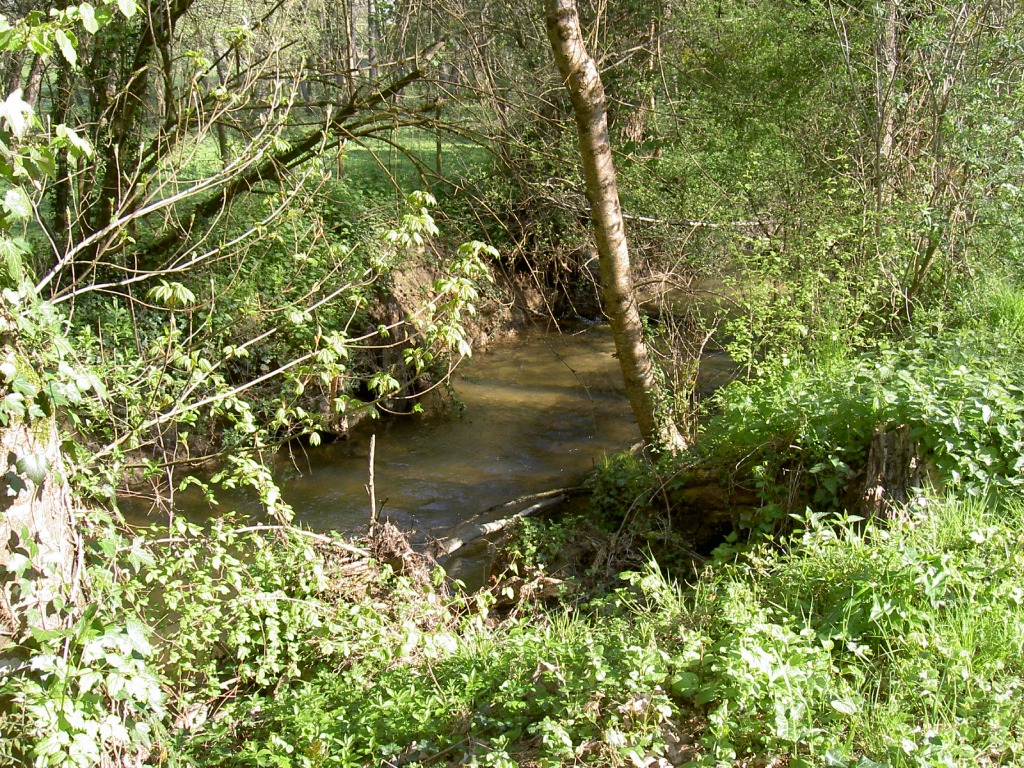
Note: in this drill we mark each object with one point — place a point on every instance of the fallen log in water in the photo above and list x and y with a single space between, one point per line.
474 529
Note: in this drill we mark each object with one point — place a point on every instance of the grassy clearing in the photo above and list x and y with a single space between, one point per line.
379 164
397 163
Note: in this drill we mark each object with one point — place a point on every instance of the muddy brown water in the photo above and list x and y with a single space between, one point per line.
529 416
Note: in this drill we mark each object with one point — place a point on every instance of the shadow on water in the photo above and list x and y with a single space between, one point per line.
530 415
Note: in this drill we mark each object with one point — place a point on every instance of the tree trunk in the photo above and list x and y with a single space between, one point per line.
372 38
349 34
61 218
123 112
35 81
582 80
223 147
887 70
36 521
13 72
894 469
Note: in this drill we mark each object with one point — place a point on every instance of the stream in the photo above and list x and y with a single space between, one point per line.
529 416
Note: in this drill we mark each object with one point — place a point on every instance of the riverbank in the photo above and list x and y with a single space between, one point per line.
805 637
878 647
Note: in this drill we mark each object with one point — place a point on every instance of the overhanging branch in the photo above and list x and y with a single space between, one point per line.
274 167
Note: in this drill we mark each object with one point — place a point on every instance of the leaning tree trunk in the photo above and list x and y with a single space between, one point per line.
583 82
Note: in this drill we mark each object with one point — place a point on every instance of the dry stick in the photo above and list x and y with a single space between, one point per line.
370 490
344 546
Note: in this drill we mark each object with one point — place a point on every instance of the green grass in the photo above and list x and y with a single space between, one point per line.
397 163
904 645
378 163
432 685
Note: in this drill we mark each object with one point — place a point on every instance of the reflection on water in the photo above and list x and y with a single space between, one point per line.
536 415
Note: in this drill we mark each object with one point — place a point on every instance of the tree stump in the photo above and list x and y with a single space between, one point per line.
894 469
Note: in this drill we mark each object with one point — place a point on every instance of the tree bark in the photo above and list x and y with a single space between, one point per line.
582 80
894 469
349 34
36 517
887 70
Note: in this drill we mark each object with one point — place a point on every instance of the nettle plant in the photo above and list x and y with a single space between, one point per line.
87 689
960 395
176 621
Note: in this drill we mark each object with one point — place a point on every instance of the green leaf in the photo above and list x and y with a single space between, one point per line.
88 14
137 636
17 204
42 159
33 466
77 145
845 706
10 257
17 564
171 294
38 43
128 7
23 386
67 46
17 113
89 679
8 38
866 762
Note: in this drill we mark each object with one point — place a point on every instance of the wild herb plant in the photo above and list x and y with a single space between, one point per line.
960 394
908 650
178 621
555 688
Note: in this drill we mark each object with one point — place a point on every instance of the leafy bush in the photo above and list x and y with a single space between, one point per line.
961 396
854 646
174 623
428 683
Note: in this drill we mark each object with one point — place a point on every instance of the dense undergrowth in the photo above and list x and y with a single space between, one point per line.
845 644
809 635
816 637
825 639
860 289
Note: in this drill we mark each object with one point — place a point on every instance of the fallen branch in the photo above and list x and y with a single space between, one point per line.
530 498
471 531
357 551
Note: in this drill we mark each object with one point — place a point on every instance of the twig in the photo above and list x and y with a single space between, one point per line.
370 489
350 548
309 534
